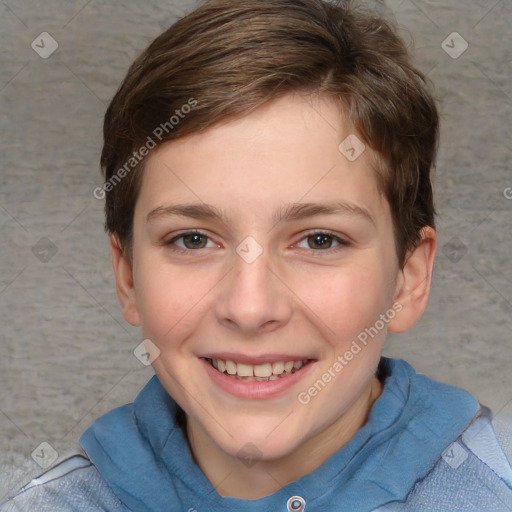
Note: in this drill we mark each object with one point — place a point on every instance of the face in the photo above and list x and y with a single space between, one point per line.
260 248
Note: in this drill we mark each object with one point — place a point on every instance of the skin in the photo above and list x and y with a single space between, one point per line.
297 297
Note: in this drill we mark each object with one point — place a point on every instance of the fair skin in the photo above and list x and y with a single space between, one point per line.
322 277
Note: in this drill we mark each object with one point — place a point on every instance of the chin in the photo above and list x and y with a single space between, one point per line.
265 442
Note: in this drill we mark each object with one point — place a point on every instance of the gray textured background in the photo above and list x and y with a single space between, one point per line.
66 354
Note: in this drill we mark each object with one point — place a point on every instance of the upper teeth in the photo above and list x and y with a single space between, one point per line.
256 370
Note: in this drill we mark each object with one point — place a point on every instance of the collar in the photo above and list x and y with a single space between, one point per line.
144 456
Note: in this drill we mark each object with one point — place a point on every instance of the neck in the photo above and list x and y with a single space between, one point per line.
238 478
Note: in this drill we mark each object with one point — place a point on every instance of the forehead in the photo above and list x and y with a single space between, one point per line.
287 151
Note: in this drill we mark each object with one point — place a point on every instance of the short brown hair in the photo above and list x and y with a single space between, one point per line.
228 57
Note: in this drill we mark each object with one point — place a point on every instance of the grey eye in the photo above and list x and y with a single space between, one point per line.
192 241
319 241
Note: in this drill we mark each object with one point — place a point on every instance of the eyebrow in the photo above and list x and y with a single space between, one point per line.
291 212
195 211
299 211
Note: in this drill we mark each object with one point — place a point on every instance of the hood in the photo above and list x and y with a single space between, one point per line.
144 456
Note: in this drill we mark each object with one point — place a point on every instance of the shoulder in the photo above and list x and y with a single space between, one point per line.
73 485
473 474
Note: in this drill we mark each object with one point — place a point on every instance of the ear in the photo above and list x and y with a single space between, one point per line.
413 284
123 272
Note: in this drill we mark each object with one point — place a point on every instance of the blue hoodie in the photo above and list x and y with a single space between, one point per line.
425 447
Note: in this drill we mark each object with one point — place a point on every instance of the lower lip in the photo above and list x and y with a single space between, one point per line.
254 390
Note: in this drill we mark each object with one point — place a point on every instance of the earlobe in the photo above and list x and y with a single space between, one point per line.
123 272
414 281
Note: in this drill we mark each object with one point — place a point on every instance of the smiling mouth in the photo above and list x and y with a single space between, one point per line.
258 372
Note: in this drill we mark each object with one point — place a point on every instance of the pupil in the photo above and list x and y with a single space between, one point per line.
320 241
194 241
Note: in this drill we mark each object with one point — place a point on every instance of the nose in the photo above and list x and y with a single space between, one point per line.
252 299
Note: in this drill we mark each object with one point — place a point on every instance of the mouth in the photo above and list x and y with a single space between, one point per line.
264 372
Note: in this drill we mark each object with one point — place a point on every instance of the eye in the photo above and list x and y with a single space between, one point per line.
191 241
321 241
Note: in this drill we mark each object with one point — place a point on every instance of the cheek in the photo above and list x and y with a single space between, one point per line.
345 301
169 299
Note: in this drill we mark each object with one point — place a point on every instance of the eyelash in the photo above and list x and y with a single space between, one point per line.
181 250
342 243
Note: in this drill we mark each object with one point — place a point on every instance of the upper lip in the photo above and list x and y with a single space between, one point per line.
254 360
